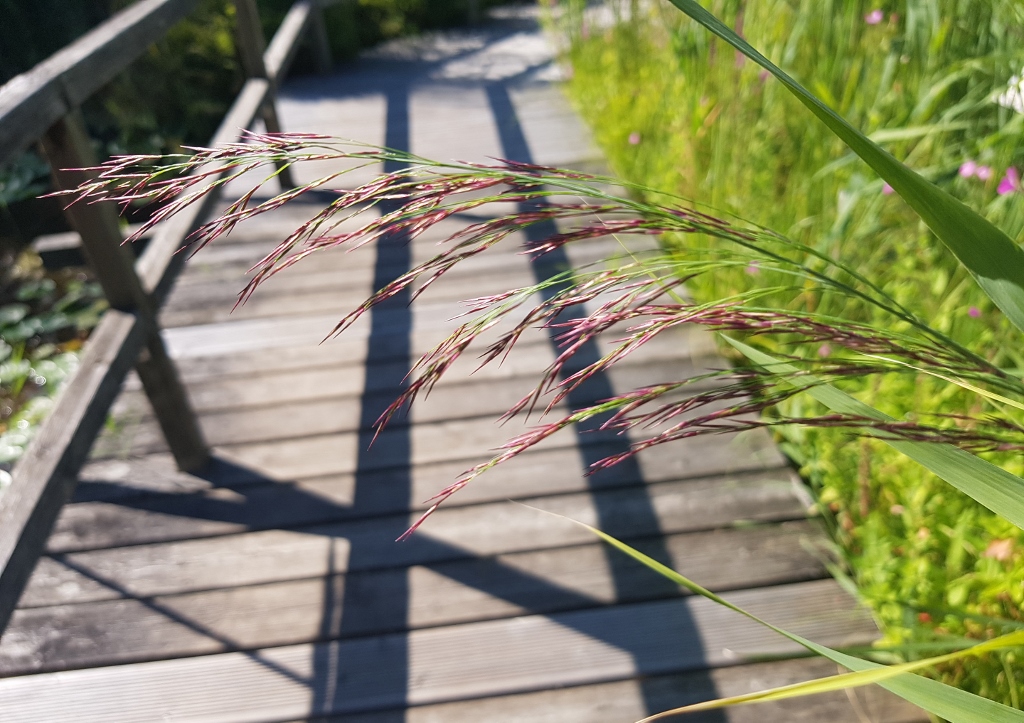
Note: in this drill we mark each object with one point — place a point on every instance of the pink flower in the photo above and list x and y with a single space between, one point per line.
634 138
824 350
1001 550
874 17
968 169
1010 182
983 173
753 269
974 312
887 189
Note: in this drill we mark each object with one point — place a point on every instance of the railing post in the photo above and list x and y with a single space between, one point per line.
251 46
67 146
318 39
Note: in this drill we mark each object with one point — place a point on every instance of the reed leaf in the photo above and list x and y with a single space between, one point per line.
992 486
995 261
953 704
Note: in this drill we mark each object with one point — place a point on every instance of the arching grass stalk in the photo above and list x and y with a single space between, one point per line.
633 302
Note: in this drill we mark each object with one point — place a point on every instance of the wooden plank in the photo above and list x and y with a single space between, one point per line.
437 665
128 630
468 442
120 480
252 419
690 342
615 702
225 262
241 500
659 357
30 103
45 476
320 375
452 533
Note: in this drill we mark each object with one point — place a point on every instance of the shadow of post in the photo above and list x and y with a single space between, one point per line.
514 147
391 326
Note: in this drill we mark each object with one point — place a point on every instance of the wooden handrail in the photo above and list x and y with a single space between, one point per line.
41 105
33 101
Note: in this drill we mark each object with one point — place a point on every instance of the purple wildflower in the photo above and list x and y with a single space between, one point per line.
634 139
874 17
968 169
1010 182
887 189
974 312
983 173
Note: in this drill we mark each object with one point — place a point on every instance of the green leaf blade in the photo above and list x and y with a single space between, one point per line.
995 261
986 483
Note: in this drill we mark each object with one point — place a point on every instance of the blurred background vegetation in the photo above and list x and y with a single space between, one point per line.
937 83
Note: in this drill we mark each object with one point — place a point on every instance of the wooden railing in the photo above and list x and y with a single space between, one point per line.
41 106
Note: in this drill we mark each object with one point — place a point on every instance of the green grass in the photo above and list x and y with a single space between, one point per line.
675 110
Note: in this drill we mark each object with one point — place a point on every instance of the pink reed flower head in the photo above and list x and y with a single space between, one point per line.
974 312
874 17
968 169
1010 182
887 189
983 173
634 139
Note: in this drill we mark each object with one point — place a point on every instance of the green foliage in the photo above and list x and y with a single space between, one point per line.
679 110
44 318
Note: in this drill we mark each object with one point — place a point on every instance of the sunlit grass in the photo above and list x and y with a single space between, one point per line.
676 110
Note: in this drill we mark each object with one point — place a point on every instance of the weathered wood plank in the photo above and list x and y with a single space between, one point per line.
265 615
452 533
690 342
45 477
615 702
447 663
252 418
233 499
324 375
31 102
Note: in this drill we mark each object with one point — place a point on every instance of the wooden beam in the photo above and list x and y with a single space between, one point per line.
46 476
251 46
318 38
33 101
67 147
281 51
159 265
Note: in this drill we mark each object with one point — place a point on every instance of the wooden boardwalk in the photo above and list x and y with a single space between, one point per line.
269 587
